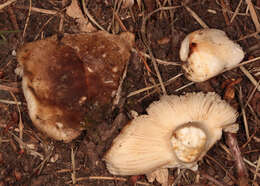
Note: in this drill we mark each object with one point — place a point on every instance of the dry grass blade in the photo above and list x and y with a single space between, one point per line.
61 25
21 126
28 18
151 87
7 88
257 168
39 10
253 15
39 168
119 89
6 4
10 102
222 167
73 174
146 43
249 162
224 11
250 77
108 178
243 112
25 146
183 87
196 17
43 26
90 17
212 179
159 61
249 35
252 94
244 63
236 11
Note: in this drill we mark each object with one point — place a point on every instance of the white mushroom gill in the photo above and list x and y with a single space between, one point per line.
207 52
177 132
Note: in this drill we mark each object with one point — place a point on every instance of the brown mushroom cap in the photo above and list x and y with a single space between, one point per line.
61 75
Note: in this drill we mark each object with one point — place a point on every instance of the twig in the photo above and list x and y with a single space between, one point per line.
41 29
90 17
250 77
39 10
159 61
151 87
241 168
257 168
117 97
210 178
224 12
7 88
73 174
252 94
244 63
243 112
249 35
248 140
146 43
184 86
196 17
62 18
107 178
21 143
222 167
253 15
6 4
10 102
13 18
66 170
253 171
249 162
39 168
28 18
236 11
21 126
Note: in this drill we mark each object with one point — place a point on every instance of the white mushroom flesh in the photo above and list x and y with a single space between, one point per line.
208 52
188 142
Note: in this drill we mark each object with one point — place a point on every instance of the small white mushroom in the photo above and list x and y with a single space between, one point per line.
207 52
177 132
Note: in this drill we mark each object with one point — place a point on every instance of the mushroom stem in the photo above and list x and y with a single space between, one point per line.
189 141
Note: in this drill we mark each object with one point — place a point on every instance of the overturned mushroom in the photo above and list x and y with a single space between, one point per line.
64 78
177 132
207 52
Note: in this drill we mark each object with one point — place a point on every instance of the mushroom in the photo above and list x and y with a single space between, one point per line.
207 52
66 79
177 132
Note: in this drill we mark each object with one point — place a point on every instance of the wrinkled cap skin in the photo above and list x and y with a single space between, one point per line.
207 52
157 140
61 75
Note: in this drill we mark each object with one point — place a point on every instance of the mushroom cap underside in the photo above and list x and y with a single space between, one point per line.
145 145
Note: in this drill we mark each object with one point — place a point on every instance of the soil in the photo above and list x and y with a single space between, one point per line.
38 160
